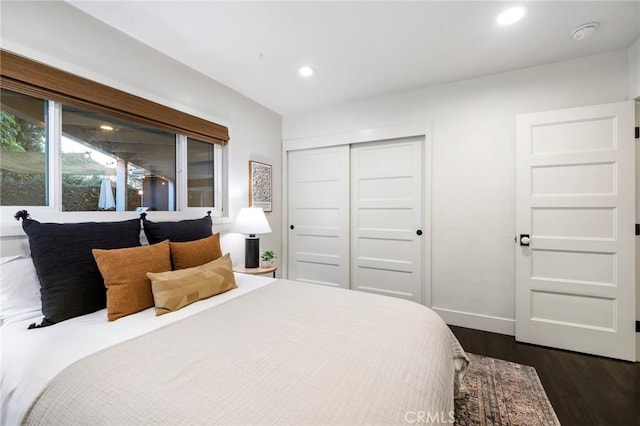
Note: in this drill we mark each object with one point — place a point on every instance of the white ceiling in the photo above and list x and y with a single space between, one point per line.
361 49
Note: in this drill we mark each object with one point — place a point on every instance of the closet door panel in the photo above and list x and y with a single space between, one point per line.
386 218
319 216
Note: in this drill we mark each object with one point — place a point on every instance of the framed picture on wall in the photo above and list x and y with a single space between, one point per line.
260 185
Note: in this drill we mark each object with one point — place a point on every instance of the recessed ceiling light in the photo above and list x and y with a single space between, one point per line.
107 128
305 71
511 15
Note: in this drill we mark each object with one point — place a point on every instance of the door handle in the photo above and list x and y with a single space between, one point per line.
525 240
419 232
291 227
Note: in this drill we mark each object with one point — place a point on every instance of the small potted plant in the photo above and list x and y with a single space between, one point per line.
267 257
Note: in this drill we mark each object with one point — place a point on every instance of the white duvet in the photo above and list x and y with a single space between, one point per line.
32 358
269 352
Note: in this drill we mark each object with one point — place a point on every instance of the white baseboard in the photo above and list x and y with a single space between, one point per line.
491 324
477 321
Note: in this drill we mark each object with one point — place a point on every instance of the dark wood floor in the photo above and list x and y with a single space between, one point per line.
583 389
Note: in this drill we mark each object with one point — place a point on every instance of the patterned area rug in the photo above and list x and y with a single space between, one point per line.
502 393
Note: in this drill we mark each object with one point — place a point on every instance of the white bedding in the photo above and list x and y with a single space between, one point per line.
32 358
285 353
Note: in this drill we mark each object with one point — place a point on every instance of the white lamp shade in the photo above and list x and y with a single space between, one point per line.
251 220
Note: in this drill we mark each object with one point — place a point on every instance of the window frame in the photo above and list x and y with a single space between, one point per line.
53 172
219 177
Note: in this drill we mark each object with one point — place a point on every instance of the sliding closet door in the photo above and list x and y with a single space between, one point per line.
319 216
387 218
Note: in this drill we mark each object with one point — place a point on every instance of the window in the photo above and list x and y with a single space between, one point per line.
23 162
77 145
200 173
100 153
107 163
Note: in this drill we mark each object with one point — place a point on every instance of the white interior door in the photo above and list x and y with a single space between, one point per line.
319 216
575 282
386 218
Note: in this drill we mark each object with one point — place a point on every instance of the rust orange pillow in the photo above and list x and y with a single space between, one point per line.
195 253
125 275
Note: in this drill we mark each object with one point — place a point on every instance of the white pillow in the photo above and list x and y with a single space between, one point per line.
19 288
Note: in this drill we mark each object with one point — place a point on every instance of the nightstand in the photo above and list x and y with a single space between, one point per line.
255 271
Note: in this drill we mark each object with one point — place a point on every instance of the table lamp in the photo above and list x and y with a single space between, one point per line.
251 221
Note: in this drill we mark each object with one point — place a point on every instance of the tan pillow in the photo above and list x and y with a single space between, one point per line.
195 253
176 289
124 273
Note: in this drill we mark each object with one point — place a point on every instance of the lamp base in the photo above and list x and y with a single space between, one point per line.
252 252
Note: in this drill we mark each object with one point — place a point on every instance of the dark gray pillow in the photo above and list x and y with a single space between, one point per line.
70 282
177 232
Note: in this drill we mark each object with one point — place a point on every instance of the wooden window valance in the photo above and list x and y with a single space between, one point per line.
35 79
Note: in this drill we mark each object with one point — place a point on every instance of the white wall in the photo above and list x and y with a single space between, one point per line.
633 70
59 35
473 134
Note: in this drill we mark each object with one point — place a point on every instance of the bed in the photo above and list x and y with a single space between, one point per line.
270 351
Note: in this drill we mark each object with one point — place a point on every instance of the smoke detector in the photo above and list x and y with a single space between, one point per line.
584 31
